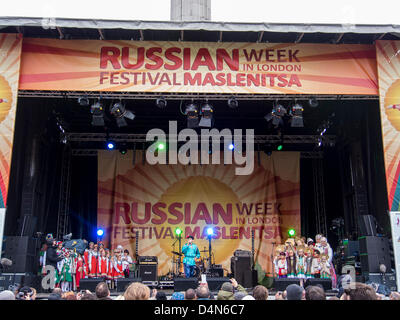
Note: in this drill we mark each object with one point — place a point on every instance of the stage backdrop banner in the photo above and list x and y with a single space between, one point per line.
395 226
388 59
156 199
181 67
10 54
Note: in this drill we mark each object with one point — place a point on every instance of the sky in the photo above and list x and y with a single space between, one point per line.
283 11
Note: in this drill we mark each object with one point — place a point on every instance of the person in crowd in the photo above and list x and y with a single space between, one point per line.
161 295
248 297
394 296
137 291
359 291
178 296
295 292
7 295
190 294
54 296
88 296
203 293
228 290
102 292
315 293
34 295
153 293
24 293
316 267
239 295
260 293
281 295
42 259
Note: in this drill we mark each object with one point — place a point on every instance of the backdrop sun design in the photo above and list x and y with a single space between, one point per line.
388 61
193 197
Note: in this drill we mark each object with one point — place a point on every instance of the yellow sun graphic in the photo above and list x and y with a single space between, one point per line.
5 98
392 97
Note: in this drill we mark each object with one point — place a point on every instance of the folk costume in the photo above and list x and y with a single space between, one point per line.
291 266
301 267
103 267
66 272
281 266
93 264
80 270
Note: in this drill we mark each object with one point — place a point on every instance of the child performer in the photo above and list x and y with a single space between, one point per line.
316 267
118 272
66 272
278 250
291 264
325 272
281 266
109 277
59 252
86 255
103 264
80 270
309 262
93 262
301 264
127 261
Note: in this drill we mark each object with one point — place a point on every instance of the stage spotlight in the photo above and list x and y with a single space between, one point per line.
313 102
296 113
275 116
210 232
161 103
110 145
291 232
231 146
119 112
161 146
178 232
123 149
83 101
233 103
279 147
97 112
206 113
100 232
192 116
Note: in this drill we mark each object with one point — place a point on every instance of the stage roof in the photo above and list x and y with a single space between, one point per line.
64 28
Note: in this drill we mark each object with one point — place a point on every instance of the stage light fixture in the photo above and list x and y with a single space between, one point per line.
178 232
233 103
100 232
296 112
110 145
231 146
192 116
275 116
291 232
206 113
161 146
161 103
83 101
313 102
210 232
119 111
97 111
279 147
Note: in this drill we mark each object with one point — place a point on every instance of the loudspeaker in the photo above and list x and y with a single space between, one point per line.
89 284
182 284
215 284
20 245
12 281
21 263
367 225
22 252
148 272
326 283
374 251
216 272
281 284
254 277
241 269
122 284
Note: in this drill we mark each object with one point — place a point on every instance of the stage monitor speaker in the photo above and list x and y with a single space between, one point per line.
216 272
367 225
89 284
374 245
325 283
241 269
215 284
148 272
182 284
124 283
281 284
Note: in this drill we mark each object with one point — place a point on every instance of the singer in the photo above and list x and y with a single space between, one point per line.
191 251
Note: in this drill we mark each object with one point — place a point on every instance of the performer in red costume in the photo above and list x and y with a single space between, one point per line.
80 270
93 262
103 264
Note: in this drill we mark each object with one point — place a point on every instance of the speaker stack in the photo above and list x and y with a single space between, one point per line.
374 251
241 268
148 270
21 251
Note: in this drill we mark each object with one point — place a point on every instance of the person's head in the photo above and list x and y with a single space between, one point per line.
226 286
102 290
290 253
95 247
178 296
7 295
239 295
316 253
24 293
202 292
57 291
69 296
300 251
282 255
54 296
190 239
34 293
394 296
59 245
190 294
161 295
107 253
88 296
323 242
126 253
260 293
44 247
137 291
295 292
315 293
324 258
318 238
91 245
360 291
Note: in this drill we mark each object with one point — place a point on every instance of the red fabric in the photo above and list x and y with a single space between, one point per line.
86 257
118 270
103 266
110 269
79 274
94 268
